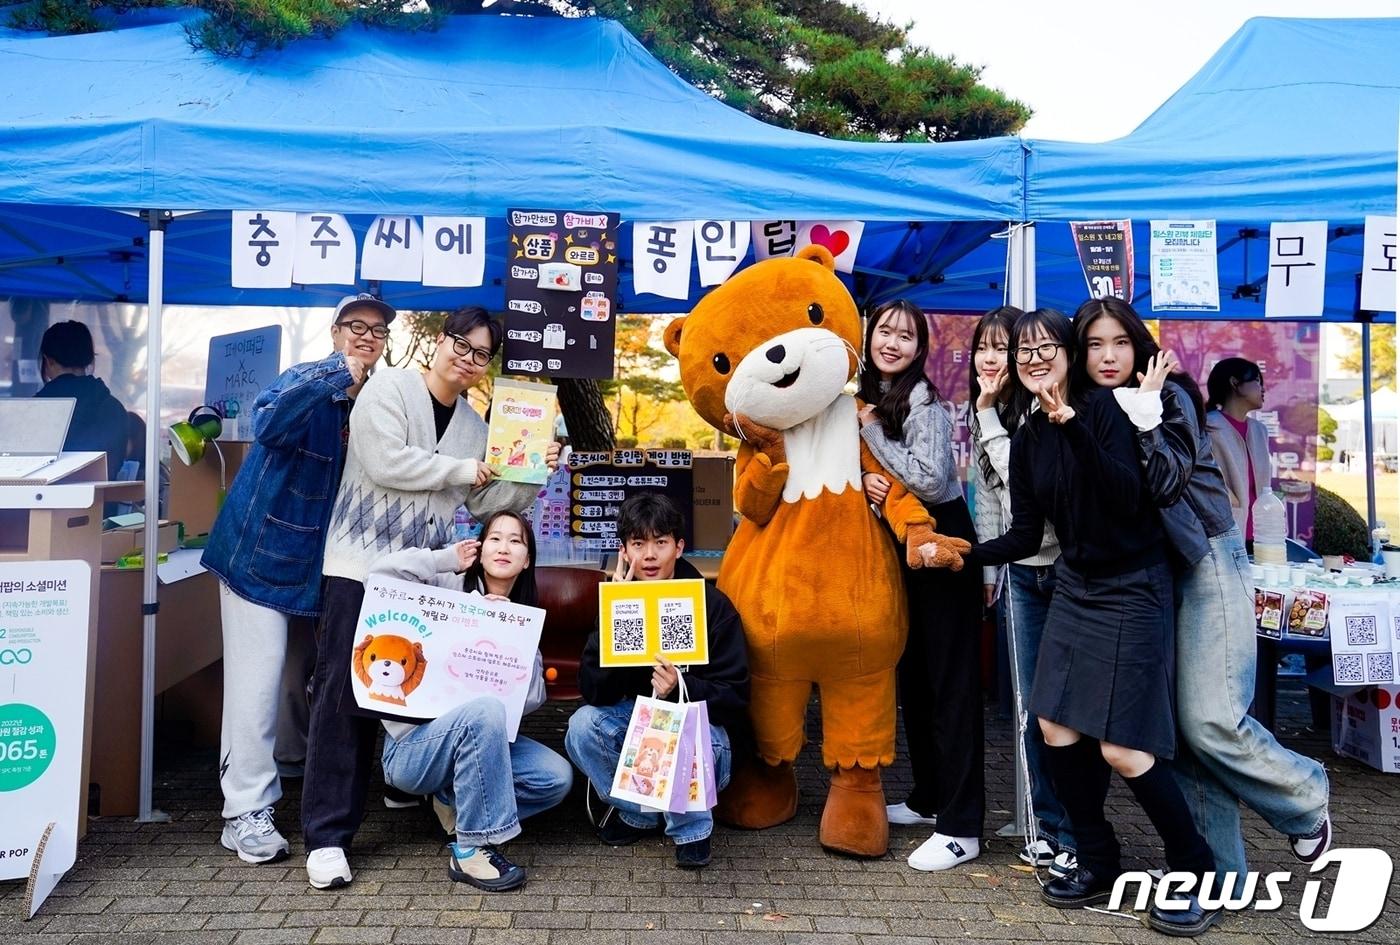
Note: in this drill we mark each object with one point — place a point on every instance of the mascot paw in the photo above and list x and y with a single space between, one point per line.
914 540
765 440
854 821
759 795
944 552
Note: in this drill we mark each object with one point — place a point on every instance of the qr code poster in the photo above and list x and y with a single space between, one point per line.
1362 651
639 620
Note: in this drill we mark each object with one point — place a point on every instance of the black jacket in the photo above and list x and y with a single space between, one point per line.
99 419
723 682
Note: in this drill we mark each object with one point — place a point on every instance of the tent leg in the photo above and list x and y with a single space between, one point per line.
156 220
1020 266
1366 419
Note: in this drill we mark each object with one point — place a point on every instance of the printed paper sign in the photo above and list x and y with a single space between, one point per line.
393 250
1362 647
522 427
1378 264
325 250
639 620
1185 274
43 691
421 651
842 237
454 251
1297 270
1105 251
264 244
720 245
773 238
661 258
1268 613
241 366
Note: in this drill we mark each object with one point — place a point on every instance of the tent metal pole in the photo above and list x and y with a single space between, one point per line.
1366 421
156 220
1021 266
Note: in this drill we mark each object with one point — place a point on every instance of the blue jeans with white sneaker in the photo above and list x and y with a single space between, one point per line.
1230 754
464 760
594 742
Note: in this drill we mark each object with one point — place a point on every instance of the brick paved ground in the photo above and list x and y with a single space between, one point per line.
173 883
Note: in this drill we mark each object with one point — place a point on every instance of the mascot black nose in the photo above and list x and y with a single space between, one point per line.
776 354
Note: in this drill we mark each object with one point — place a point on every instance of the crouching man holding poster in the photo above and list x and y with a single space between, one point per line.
470 664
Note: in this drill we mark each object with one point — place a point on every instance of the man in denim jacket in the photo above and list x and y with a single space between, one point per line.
266 549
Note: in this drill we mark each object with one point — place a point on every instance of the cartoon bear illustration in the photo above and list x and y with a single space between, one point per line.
390 667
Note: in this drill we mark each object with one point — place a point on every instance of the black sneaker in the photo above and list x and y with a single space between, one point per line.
693 855
1081 887
616 832
1309 847
1188 921
484 867
395 799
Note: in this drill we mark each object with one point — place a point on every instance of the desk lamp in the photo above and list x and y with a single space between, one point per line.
188 439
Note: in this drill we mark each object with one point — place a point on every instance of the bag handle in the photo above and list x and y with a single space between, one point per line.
682 696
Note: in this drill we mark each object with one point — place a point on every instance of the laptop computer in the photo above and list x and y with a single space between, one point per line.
32 431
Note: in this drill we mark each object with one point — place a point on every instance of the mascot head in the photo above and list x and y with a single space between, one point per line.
388 661
776 343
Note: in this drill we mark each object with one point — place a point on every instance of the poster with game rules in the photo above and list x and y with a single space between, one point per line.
599 482
561 293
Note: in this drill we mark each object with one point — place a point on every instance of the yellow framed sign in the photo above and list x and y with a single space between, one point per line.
639 620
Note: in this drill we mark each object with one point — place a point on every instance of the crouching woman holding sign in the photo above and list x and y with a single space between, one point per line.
465 757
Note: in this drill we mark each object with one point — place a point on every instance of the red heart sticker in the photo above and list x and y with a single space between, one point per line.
836 242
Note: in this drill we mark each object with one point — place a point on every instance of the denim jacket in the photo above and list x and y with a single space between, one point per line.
267 542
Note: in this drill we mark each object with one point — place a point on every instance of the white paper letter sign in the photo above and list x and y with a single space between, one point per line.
661 258
325 250
719 247
1297 269
842 237
454 251
393 250
263 244
43 688
1378 265
773 238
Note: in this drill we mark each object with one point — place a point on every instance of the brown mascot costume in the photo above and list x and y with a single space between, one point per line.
766 358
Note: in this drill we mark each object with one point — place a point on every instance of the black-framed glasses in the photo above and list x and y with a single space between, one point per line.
359 328
1047 352
480 356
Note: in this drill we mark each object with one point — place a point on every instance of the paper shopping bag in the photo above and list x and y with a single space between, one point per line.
701 795
653 754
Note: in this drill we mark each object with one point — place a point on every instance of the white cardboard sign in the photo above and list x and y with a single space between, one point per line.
1297 270
325 250
264 242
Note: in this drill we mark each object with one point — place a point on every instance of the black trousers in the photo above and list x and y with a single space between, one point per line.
340 747
940 683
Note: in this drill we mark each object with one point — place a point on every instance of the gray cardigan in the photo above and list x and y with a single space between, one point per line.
923 461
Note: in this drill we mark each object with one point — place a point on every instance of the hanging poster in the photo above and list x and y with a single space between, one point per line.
454 251
240 366
522 427
842 237
1362 647
1378 256
773 238
422 650
1297 270
561 293
601 481
1105 249
43 691
264 242
325 250
641 620
661 258
720 245
1185 274
393 250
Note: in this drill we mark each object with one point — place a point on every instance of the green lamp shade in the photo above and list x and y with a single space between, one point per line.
187 437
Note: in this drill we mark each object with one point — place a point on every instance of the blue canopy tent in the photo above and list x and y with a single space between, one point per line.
125 150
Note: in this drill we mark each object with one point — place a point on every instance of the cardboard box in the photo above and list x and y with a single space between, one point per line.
119 541
712 510
1366 726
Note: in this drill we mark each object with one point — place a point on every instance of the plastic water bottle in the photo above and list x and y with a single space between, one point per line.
1270 530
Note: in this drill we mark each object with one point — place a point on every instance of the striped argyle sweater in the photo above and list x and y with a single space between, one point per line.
401 484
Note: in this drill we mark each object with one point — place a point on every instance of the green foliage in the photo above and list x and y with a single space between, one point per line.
1382 354
675 443
1326 434
73 16
1338 529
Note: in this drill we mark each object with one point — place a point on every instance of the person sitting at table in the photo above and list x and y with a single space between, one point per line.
66 360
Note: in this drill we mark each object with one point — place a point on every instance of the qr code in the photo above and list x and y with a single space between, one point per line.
1361 631
1347 669
629 635
677 633
1380 667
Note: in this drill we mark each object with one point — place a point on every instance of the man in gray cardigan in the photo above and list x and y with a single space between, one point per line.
416 452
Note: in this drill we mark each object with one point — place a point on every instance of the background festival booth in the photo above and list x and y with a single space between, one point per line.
157 187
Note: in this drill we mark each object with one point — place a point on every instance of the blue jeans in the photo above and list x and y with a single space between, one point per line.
1026 603
1231 756
594 742
464 760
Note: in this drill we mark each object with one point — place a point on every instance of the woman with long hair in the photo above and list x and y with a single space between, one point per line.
909 429
1240 443
1103 683
1225 756
1022 593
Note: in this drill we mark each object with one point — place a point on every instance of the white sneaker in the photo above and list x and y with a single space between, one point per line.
940 852
1065 863
254 837
1040 853
327 868
1310 847
904 815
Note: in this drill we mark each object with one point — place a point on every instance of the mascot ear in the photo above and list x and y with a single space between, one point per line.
818 254
672 336
415 679
359 665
